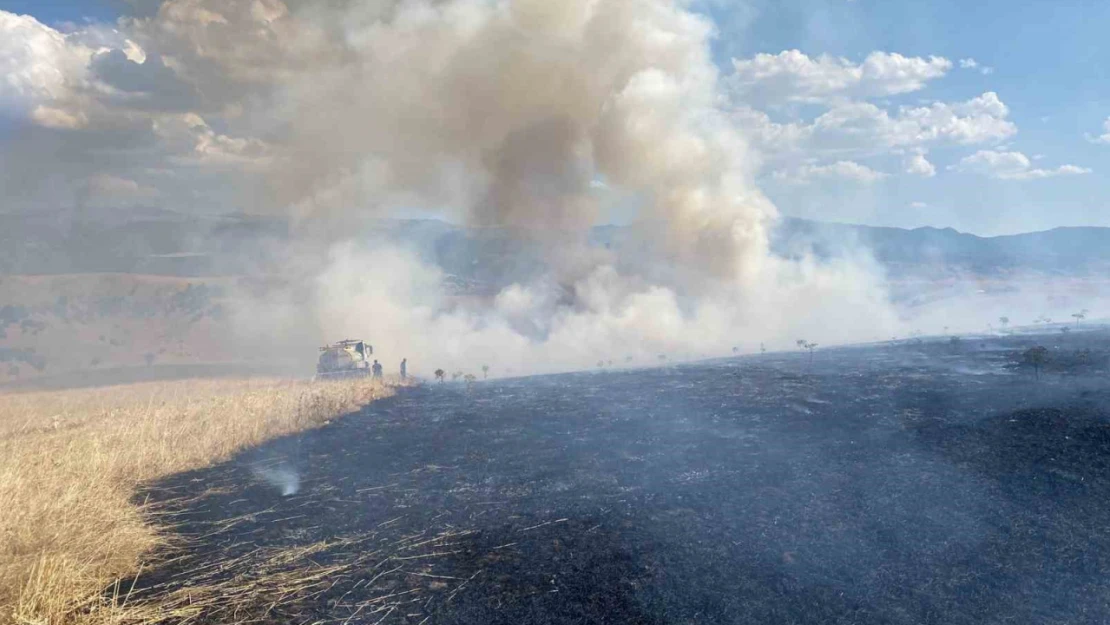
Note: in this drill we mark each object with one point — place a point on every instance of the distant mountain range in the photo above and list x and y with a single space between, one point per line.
156 242
937 251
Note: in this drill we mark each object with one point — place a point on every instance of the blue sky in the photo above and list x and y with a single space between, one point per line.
60 11
1050 66
1046 61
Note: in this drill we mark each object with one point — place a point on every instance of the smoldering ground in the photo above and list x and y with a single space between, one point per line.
873 485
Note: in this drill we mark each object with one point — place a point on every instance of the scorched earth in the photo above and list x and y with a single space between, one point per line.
929 482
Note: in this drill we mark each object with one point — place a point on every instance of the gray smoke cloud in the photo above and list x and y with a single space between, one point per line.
534 115
527 114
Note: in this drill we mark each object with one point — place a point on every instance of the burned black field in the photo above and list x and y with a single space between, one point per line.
908 483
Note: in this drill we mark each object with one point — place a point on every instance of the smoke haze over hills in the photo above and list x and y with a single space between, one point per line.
527 120
166 289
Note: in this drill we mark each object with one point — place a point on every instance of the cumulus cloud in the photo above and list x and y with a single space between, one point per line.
977 120
792 75
864 128
1011 166
918 165
855 122
39 66
110 105
840 170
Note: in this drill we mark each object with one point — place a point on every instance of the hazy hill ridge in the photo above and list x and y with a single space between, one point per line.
157 242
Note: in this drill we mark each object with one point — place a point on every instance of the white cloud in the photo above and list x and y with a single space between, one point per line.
38 65
122 93
193 141
794 76
862 128
918 165
918 205
1011 166
970 63
843 170
1104 137
51 117
134 52
977 120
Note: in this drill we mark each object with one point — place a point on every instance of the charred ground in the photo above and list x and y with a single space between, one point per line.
920 482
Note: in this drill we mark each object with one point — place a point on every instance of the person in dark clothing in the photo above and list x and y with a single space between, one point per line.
377 369
404 368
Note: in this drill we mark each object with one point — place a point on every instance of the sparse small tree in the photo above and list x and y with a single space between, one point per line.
1005 322
762 349
811 347
149 358
736 350
440 374
1036 357
1080 316
485 372
806 346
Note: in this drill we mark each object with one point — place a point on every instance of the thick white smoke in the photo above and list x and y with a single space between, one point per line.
529 114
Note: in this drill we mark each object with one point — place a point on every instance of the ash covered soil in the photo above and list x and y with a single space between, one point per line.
904 483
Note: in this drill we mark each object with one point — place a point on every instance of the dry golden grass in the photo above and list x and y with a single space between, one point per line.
70 463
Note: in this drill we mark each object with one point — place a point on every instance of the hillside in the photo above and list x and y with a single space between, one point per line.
128 292
935 251
155 242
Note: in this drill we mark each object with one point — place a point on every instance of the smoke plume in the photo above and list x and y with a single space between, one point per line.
542 119
526 114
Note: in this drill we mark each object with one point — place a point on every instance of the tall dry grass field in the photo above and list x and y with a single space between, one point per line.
70 463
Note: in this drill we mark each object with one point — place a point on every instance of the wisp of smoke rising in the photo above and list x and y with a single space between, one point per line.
283 477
